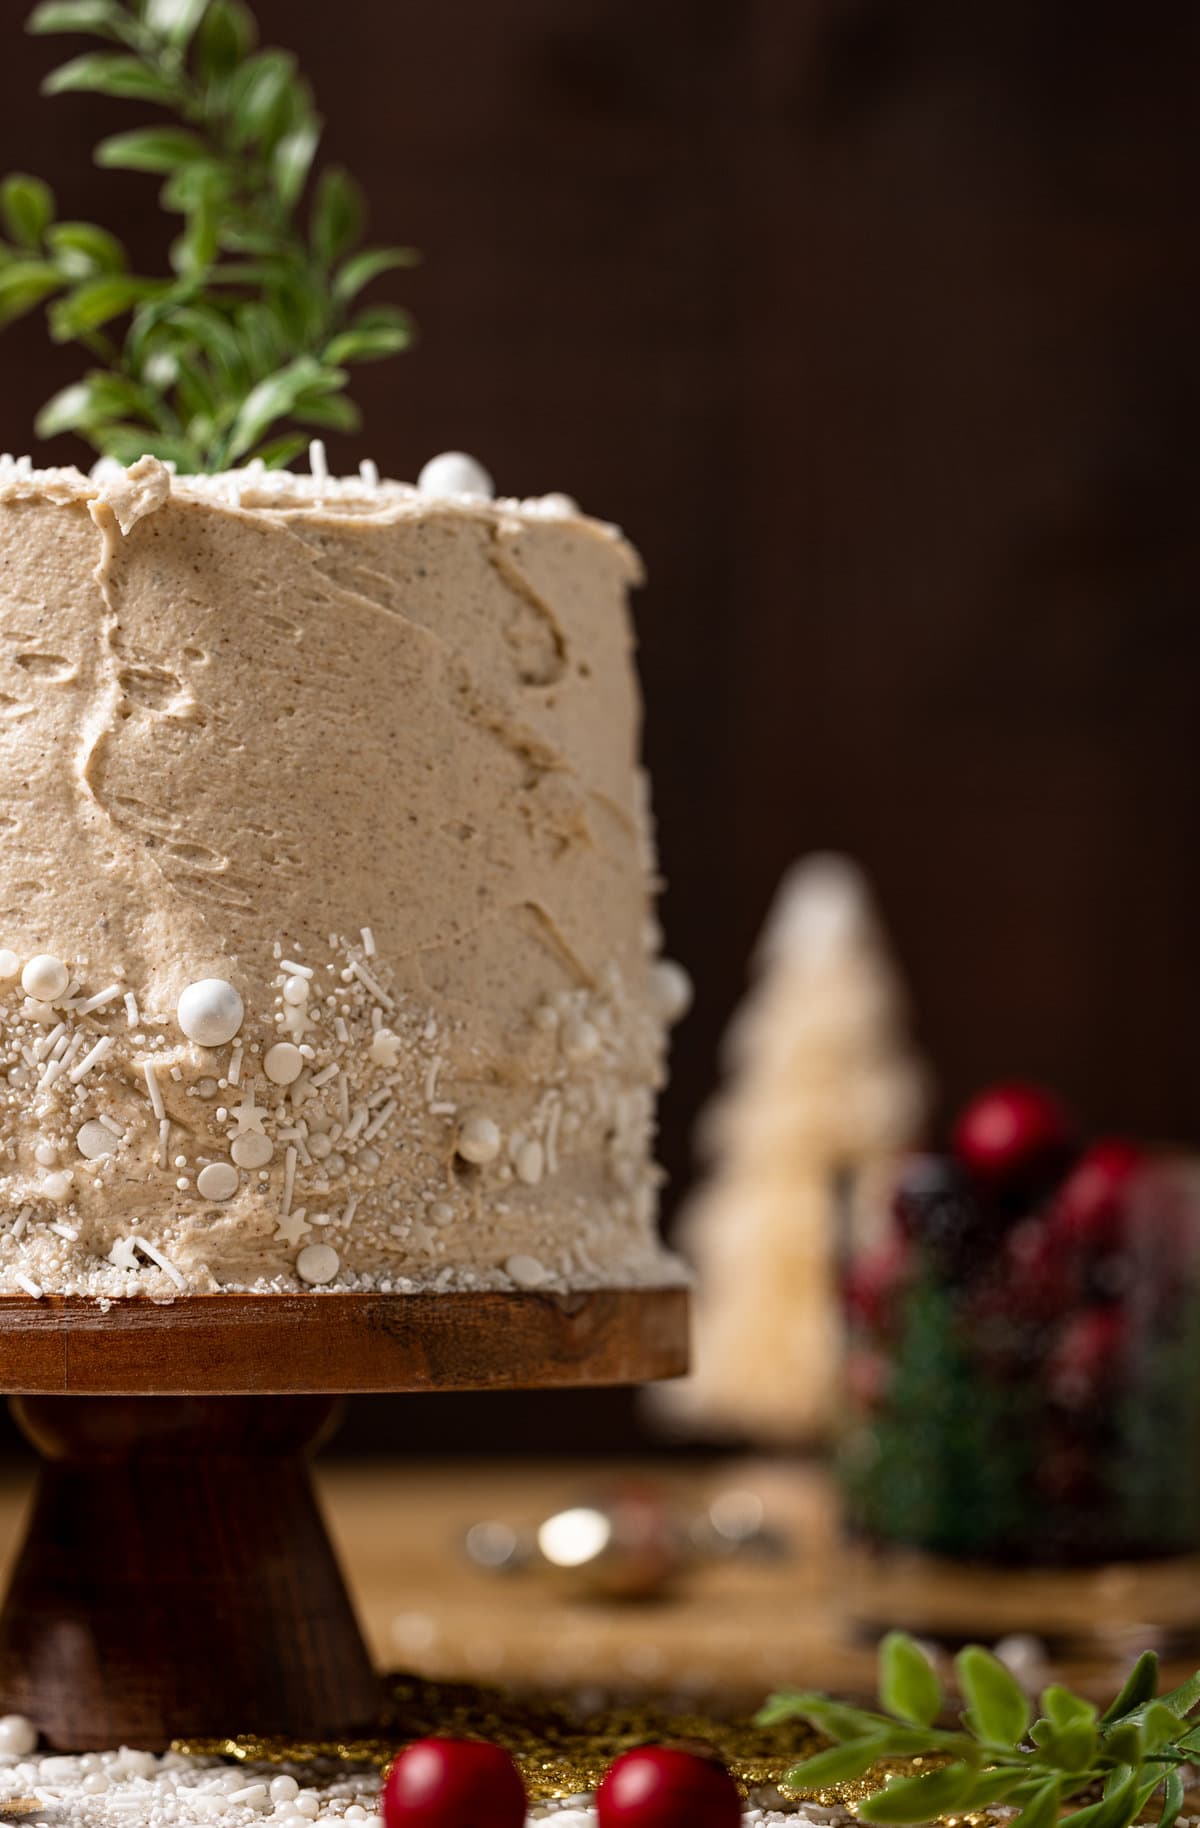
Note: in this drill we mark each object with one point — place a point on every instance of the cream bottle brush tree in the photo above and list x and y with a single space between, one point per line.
822 1084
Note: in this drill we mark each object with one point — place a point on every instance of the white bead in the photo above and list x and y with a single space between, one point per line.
385 1048
527 1272
671 988
45 978
217 1181
94 1140
295 990
454 473
319 1147
283 1063
283 1789
579 1038
10 964
94 1784
252 1150
317 1263
479 1139
18 1736
57 1186
531 1163
308 1803
355 1813
558 506
210 1012
46 1155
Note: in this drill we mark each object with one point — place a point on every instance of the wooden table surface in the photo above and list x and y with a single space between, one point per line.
732 1630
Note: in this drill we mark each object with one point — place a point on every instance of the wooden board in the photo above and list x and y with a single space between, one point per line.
345 1343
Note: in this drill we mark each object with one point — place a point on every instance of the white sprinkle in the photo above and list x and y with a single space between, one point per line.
235 1064
295 992
94 1140
377 1019
28 1284
479 1139
65 1231
92 1058
110 1123
376 1098
164 1263
531 1163
431 1078
10 964
252 1151
325 1075
210 1012
378 1121
454 473
385 1048
289 1180
317 1263
45 978
368 940
48 1041
552 1122
369 472
351 1208
318 463
340 1029
99 1000
527 1272
368 982
343 1088
283 1063
156 1100
21 1221
131 1009
164 1140
356 1122
218 1181
50 1075
289 965
443 1107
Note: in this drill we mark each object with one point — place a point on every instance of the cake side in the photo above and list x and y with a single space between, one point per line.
369 761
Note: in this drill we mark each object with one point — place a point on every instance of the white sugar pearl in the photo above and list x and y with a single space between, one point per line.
308 1803
45 978
355 1813
136 1764
527 1272
283 1063
479 1139
283 1789
531 1163
10 964
295 990
671 989
317 1263
319 1147
46 1155
210 1012
57 1186
454 473
94 1784
385 1048
252 1150
367 1160
18 1736
217 1181
579 1038
94 1140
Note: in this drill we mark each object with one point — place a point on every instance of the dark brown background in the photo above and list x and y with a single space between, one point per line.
875 323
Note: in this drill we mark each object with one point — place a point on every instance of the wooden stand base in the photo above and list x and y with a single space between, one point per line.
176 1577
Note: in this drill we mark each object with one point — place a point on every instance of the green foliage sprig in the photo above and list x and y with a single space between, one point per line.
1005 1754
253 332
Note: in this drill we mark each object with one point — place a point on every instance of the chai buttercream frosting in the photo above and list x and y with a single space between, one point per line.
327 954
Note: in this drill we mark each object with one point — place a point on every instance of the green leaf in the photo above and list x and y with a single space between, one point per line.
369 345
97 400
174 20
24 284
129 442
359 271
291 160
1123 1742
261 96
97 302
109 73
277 453
1172 1799
1065 1708
162 149
100 17
1159 1725
994 1787
908 1683
338 216
335 414
1183 1699
1072 1747
81 249
920 1799
1041 1811
27 207
998 1707
227 36
835 1719
1140 1685
837 1764
301 383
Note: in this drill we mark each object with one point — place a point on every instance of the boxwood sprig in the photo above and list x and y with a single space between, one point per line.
252 332
1112 1762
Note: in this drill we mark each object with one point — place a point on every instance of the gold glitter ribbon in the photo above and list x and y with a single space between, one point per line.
558 1752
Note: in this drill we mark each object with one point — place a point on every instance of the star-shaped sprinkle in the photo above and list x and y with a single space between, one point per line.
248 1115
290 1229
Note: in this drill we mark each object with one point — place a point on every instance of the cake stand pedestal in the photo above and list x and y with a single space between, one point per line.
176 1579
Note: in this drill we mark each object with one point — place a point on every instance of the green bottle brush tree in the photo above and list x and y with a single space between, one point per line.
253 331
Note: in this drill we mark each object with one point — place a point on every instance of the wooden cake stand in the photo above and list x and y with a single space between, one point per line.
176 1578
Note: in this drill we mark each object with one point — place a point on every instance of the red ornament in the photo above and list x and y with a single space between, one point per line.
1092 1208
661 1787
1015 1140
454 1783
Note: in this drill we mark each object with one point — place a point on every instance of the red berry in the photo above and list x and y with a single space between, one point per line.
1092 1208
454 1783
874 1283
1088 1357
661 1787
1015 1140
